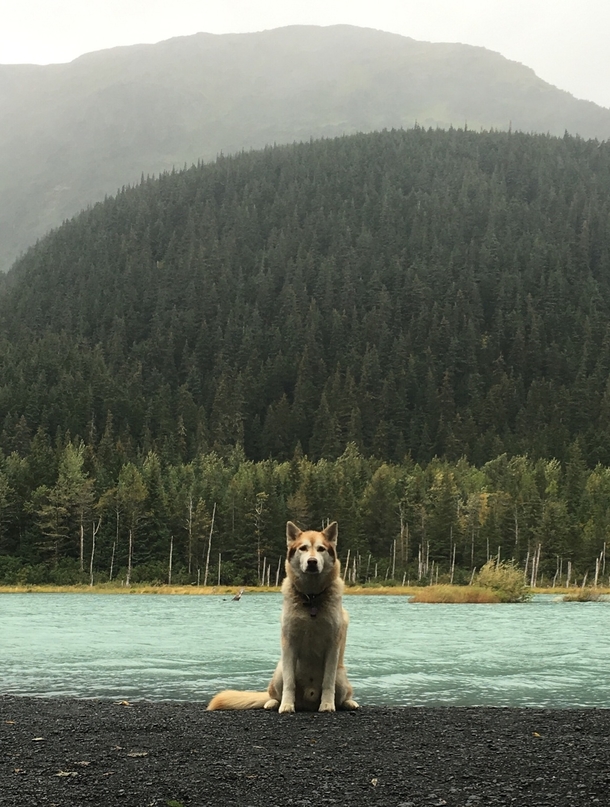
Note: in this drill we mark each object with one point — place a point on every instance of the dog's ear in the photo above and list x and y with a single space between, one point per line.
292 532
331 532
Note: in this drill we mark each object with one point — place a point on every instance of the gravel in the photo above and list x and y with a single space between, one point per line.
78 752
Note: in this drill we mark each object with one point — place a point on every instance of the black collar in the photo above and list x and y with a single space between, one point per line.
310 602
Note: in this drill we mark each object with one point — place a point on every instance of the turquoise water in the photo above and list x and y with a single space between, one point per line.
542 653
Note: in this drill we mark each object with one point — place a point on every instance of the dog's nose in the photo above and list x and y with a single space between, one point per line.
312 563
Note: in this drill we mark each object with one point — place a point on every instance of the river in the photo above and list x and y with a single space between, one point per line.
543 653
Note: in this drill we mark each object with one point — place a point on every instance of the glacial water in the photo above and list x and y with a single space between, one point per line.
540 654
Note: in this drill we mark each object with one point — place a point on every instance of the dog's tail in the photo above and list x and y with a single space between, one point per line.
234 699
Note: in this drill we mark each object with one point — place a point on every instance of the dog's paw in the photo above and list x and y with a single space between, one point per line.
272 704
350 705
286 708
327 706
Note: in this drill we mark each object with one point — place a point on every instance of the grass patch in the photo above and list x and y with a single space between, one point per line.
379 591
584 595
600 591
457 594
495 583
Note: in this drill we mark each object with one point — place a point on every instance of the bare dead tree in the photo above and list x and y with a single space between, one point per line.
453 564
346 567
189 528
277 574
207 558
95 528
171 558
115 543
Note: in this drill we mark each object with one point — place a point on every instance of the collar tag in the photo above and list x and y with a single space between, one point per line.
310 603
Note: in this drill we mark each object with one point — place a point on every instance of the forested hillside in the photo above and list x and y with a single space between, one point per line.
71 133
399 295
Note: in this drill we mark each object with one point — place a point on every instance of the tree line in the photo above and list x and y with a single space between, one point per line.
71 512
443 293
406 331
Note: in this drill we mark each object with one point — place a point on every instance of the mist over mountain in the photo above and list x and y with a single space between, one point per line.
72 133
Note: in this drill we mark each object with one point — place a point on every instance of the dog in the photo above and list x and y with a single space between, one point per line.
310 675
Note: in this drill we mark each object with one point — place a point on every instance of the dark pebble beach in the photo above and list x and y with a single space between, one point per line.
79 752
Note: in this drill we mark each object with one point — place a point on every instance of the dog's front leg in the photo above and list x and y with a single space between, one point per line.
289 662
327 704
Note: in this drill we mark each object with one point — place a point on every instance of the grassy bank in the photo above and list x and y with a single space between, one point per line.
109 588
106 588
422 594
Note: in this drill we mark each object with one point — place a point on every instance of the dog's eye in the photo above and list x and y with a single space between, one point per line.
302 548
321 549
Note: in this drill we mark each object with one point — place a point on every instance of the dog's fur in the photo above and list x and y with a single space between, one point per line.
310 675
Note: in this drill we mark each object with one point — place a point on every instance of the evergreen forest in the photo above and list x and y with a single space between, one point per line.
405 331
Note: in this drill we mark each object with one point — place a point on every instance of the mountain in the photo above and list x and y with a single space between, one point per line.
438 292
71 134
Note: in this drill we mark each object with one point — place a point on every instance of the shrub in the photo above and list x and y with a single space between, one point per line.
505 579
66 573
154 572
9 569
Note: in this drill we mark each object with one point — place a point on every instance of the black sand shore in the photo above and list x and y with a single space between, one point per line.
91 752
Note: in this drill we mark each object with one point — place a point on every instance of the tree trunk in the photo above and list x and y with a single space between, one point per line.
277 574
346 564
82 544
207 559
94 530
115 543
190 534
171 558
129 557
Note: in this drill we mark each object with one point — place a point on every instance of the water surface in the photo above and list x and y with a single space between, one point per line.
543 653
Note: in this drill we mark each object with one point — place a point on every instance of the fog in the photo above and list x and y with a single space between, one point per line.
564 41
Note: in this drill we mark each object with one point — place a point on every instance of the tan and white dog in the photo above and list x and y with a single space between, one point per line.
310 675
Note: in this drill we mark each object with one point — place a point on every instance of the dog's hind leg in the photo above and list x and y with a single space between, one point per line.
344 692
275 689
272 705
349 705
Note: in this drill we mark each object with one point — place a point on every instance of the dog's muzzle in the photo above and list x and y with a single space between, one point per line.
312 566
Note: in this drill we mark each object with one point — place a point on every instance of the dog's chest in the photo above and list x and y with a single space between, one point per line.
310 632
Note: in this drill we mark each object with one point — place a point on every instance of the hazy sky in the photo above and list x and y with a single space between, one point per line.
567 42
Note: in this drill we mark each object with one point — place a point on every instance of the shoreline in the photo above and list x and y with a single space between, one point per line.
193 590
176 754
189 590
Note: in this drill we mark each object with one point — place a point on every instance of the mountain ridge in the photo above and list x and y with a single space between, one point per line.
73 133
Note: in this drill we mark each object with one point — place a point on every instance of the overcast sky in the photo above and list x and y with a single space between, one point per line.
567 42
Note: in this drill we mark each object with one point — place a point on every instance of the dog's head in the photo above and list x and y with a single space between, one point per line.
311 552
